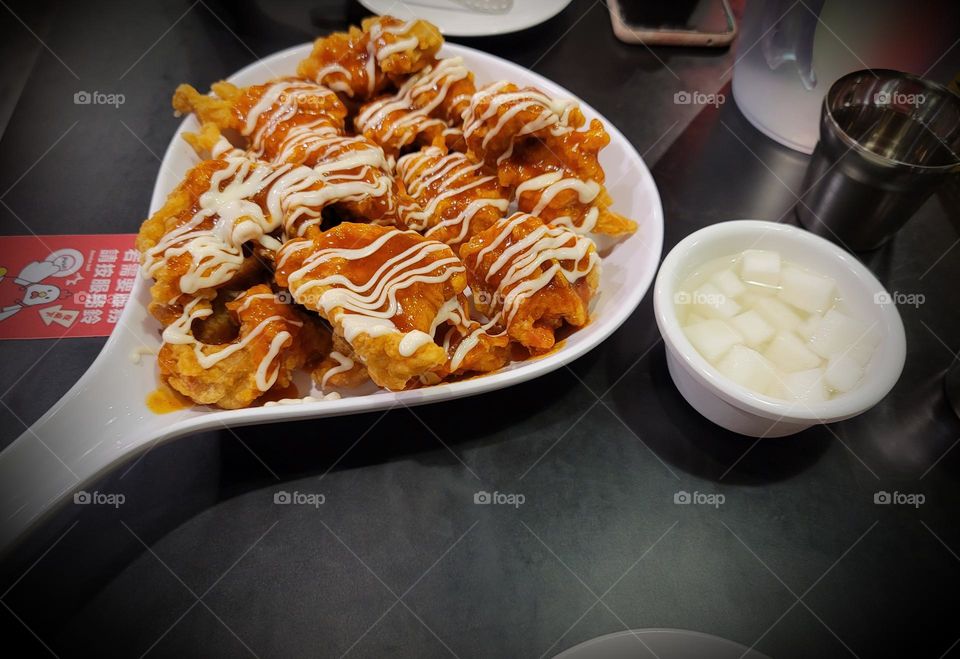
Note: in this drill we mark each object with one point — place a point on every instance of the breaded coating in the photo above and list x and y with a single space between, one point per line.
357 63
545 154
195 243
380 289
386 292
425 111
353 177
534 277
210 143
272 118
544 187
402 47
341 368
457 200
268 348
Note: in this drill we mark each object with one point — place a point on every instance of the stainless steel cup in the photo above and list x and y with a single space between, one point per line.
887 140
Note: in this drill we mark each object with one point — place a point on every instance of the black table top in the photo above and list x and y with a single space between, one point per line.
399 561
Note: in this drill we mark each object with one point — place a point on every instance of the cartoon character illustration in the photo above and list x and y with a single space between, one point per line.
28 288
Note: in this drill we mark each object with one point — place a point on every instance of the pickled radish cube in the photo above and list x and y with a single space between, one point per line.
714 303
809 326
862 351
756 289
842 373
749 368
712 338
776 389
789 353
753 327
728 282
804 386
777 313
805 290
693 318
761 266
838 333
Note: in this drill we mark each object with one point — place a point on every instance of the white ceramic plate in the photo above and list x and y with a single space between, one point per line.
659 643
104 420
455 20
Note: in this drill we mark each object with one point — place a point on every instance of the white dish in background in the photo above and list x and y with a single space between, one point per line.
456 20
735 407
103 420
659 643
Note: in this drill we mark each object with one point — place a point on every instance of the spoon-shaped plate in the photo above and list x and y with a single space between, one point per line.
103 420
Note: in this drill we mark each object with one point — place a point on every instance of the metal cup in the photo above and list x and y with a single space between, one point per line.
887 140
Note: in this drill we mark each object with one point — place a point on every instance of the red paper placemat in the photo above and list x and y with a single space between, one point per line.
64 286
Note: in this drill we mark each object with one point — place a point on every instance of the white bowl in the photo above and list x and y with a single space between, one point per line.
735 407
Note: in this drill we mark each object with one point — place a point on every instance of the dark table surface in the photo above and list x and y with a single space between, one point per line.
398 561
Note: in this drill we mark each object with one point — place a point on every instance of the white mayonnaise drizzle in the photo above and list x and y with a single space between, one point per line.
264 379
279 102
455 314
344 364
339 78
369 307
456 174
215 251
327 76
521 261
551 113
137 353
384 51
407 111
333 395
179 333
550 185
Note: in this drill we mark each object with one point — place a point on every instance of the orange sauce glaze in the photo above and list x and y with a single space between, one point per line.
164 400
278 393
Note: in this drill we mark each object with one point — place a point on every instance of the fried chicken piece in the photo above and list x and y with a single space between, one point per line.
350 175
194 244
387 292
275 118
501 117
354 178
272 342
210 143
545 188
341 368
380 289
220 223
397 127
357 63
457 200
534 277
443 89
426 111
225 210
471 346
546 155
402 47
